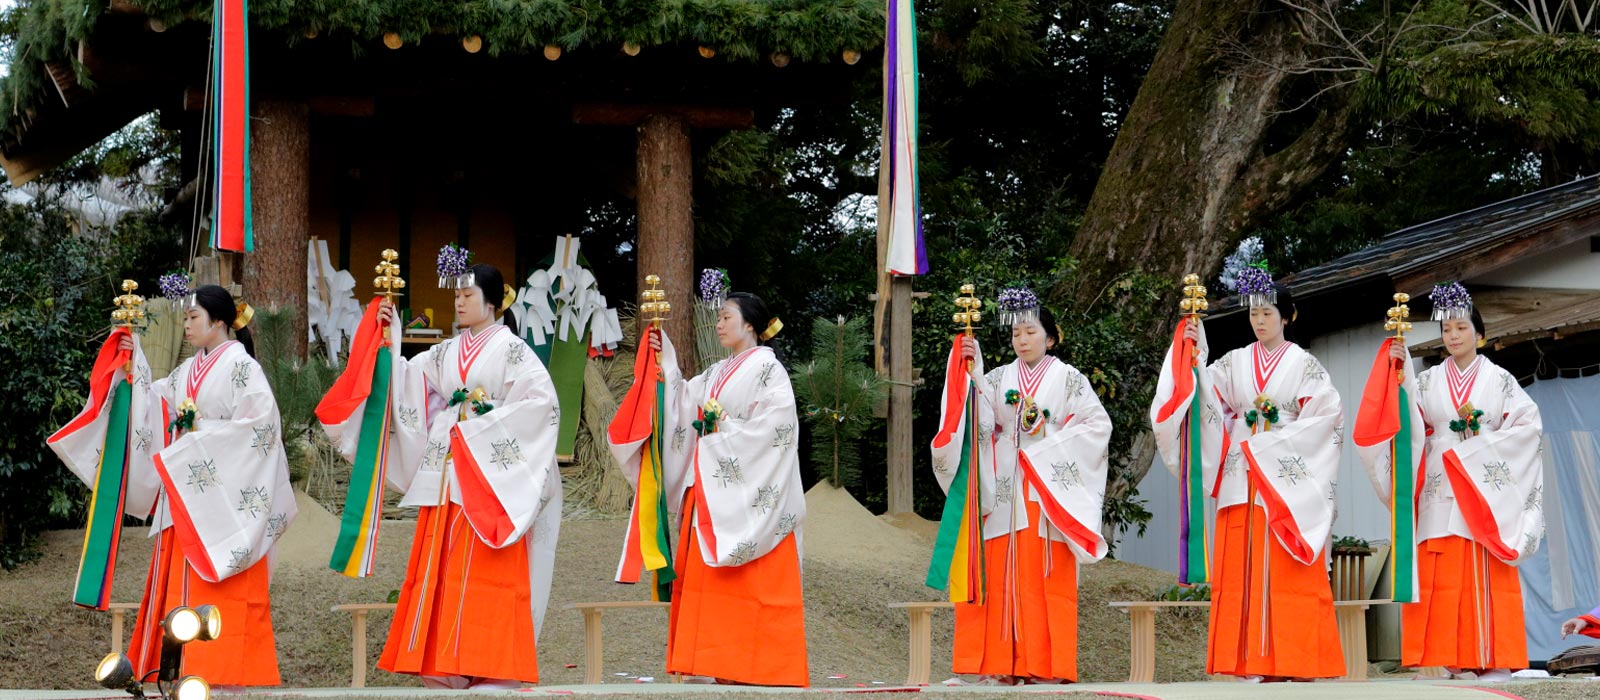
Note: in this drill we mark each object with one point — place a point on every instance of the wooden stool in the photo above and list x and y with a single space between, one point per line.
593 632
358 638
1350 615
119 613
1142 634
921 660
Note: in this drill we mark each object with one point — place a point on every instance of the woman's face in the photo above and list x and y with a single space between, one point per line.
1029 340
1460 338
1267 323
471 309
732 329
198 328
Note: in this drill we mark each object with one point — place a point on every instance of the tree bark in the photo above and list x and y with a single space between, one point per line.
280 181
666 223
1215 141
1192 167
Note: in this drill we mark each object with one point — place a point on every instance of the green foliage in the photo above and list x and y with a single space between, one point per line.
297 385
1542 87
123 157
817 31
837 390
1197 592
1350 542
56 286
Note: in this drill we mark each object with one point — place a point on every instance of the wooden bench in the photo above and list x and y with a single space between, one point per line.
119 616
593 632
358 638
1142 634
921 660
1350 615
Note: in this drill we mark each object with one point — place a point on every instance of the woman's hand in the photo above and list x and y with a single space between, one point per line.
972 354
655 338
126 344
1574 626
1191 330
1399 352
385 313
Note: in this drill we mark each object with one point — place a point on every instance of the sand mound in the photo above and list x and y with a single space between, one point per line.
839 530
309 540
927 530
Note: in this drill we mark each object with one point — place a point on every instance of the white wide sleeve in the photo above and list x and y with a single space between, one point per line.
227 482
1498 479
949 445
750 470
1069 469
1295 467
505 460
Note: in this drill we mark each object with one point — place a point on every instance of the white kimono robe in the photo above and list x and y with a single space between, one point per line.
1294 463
1066 463
499 466
225 484
1488 488
748 470
79 443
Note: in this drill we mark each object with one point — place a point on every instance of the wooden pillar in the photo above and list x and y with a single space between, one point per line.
900 445
666 222
892 334
280 185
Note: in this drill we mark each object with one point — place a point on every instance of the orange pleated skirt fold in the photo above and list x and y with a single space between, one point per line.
465 608
1029 625
738 623
1270 615
245 654
1469 615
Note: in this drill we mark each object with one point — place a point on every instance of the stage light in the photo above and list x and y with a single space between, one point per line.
191 688
115 672
211 616
182 625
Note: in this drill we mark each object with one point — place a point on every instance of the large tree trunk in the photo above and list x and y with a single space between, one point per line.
280 180
1213 144
666 223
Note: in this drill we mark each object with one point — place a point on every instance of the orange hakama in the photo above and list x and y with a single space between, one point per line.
739 623
1029 625
1445 628
466 608
1272 620
245 654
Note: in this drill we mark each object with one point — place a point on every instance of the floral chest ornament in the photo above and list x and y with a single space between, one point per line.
1265 413
1030 415
184 420
477 400
710 412
1467 424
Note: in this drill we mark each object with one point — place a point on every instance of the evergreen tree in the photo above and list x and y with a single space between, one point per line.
837 390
